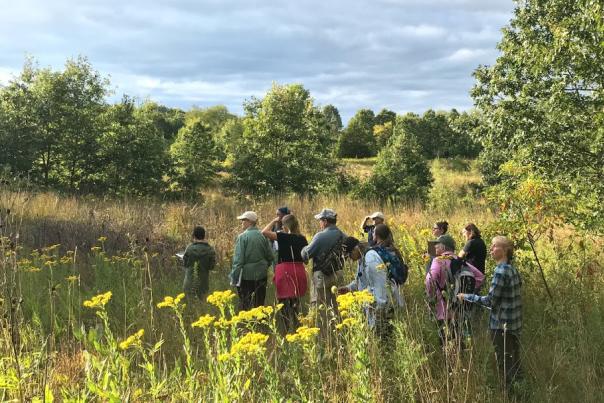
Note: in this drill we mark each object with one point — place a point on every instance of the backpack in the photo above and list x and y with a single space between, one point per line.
398 270
332 260
460 279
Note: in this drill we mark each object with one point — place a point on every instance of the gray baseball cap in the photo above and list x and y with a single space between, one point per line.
326 213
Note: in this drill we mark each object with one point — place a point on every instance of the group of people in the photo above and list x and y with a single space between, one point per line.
452 281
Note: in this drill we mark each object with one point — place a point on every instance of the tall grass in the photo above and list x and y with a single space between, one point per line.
53 347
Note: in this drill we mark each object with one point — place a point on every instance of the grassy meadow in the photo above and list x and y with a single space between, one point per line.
65 338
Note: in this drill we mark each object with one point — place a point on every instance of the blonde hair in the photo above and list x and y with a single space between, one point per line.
506 244
291 223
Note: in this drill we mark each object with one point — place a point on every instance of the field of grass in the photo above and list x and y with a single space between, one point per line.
59 251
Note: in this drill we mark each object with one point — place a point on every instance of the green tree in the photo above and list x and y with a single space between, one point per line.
334 124
357 139
194 157
401 173
132 153
168 120
285 145
542 102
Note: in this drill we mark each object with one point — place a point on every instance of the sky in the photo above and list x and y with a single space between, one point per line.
404 55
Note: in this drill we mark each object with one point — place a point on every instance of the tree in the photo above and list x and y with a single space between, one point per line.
285 145
168 120
357 139
334 124
542 102
401 173
194 157
132 152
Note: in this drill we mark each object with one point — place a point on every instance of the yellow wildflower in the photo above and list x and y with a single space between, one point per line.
171 302
72 278
354 300
95 248
251 343
259 314
134 339
102 239
221 298
203 321
224 357
348 322
303 335
33 269
223 323
98 301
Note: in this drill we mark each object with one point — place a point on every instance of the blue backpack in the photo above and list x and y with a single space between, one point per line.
397 268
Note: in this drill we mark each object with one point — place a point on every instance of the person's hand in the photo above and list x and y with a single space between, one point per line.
343 290
460 296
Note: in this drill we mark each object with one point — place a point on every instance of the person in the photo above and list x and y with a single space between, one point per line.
368 228
437 281
252 257
290 275
372 276
475 250
199 258
505 301
439 230
325 250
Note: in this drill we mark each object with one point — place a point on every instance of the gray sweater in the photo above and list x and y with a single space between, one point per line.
322 242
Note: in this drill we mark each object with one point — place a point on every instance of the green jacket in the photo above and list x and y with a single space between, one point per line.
200 256
253 256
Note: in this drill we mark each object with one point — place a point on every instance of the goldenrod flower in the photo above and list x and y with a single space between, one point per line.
224 357
170 302
72 278
221 298
259 314
203 321
348 322
102 239
98 301
354 300
135 339
251 343
95 248
303 335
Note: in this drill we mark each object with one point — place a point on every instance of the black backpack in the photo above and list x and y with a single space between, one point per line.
332 260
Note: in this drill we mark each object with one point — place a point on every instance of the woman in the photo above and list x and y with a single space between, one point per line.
290 274
475 250
505 301
437 281
372 275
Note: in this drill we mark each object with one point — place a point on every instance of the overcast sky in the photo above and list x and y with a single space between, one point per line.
405 55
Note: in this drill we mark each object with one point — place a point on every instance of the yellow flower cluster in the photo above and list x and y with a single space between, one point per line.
221 298
348 322
170 302
353 301
134 339
72 278
303 335
250 344
98 301
255 314
203 321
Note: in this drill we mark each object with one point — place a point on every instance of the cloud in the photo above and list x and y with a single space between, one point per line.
406 55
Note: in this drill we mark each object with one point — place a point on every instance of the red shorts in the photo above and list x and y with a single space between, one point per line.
290 280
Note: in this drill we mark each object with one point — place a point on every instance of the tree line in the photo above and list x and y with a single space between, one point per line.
58 130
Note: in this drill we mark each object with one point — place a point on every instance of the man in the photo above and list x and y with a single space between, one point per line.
199 258
325 250
253 256
368 228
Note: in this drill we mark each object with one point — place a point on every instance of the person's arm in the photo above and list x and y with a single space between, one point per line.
310 250
238 257
364 224
494 296
432 277
466 249
186 258
268 230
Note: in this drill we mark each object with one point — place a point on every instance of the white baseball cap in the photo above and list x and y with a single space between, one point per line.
248 215
377 214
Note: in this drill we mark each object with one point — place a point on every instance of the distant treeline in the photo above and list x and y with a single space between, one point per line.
58 131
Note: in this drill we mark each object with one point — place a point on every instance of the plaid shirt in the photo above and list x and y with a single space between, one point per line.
503 298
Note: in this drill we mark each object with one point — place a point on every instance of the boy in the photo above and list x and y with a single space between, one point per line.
199 258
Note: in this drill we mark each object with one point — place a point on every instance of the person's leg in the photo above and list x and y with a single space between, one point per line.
259 293
500 343
245 291
513 368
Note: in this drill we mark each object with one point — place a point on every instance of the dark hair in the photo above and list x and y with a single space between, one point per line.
471 227
443 226
331 220
199 232
284 210
382 231
291 222
349 244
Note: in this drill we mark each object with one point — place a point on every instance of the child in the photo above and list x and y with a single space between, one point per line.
199 258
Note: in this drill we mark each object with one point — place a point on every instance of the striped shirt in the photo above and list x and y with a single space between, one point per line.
504 299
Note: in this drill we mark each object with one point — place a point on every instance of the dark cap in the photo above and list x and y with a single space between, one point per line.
284 210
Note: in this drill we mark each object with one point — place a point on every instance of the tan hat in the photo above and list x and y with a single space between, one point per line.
326 213
248 215
377 214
